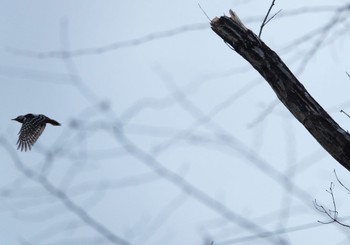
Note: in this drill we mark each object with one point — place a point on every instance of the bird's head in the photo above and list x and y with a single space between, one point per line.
19 119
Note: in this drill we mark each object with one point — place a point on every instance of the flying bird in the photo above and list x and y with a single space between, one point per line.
32 127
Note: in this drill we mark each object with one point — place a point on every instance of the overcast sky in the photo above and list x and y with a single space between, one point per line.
168 136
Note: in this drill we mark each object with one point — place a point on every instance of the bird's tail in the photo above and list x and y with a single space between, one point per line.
53 122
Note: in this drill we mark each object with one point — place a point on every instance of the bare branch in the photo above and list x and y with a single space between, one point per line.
320 35
204 12
188 188
345 113
109 47
62 197
265 21
341 183
289 90
332 214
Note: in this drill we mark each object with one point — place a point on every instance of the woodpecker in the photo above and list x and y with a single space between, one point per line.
32 127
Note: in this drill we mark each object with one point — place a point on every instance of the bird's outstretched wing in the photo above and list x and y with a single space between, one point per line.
29 134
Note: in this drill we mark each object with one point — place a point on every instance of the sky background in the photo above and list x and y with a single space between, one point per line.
168 136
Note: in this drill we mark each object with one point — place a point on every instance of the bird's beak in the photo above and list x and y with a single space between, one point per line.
14 119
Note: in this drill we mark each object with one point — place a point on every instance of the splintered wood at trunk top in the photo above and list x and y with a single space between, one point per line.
288 89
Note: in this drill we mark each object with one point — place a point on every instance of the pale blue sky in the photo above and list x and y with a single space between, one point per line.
162 91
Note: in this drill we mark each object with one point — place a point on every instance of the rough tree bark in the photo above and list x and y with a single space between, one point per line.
288 89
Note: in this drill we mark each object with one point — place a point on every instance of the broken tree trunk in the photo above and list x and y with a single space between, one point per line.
288 89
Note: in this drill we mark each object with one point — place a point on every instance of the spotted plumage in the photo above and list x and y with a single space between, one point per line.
32 127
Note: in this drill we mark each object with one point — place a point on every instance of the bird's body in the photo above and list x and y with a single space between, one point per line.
32 127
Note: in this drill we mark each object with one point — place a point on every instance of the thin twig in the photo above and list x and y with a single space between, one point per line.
341 183
332 214
345 113
265 21
204 12
273 16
